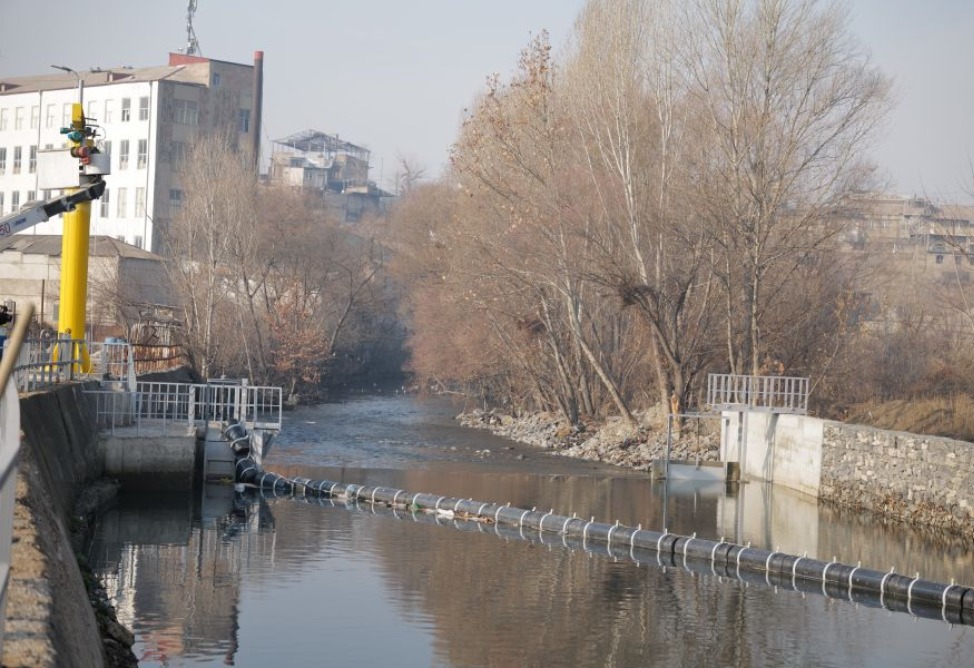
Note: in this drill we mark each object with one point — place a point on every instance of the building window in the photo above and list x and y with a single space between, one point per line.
109 106
35 117
143 157
91 110
31 195
32 159
17 157
1 202
66 114
243 120
46 194
121 202
19 118
177 152
126 109
139 202
216 79
185 112
3 159
106 148
143 108
175 202
137 241
49 118
104 203
123 154
14 201
3 119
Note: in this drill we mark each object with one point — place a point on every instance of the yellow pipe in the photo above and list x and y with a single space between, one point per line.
74 265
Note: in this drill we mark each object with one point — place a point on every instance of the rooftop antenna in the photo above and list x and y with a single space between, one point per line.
192 46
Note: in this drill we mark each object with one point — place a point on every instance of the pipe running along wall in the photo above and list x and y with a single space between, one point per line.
892 591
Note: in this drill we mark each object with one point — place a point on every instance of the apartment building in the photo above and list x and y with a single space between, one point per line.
147 119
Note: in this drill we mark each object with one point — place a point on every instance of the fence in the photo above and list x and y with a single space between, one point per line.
9 446
773 394
47 361
148 358
177 406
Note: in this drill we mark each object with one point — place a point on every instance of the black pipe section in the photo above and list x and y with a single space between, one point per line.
923 598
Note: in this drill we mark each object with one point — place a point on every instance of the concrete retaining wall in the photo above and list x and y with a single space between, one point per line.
49 619
786 449
924 480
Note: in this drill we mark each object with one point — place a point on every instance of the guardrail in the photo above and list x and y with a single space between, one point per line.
113 360
773 394
178 406
46 361
9 447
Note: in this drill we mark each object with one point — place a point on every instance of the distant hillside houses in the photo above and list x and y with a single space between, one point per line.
918 259
911 225
334 171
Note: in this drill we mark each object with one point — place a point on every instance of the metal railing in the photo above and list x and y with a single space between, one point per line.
9 447
47 361
773 394
178 406
113 360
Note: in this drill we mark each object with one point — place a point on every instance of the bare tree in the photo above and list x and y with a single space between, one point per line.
792 102
409 175
632 105
219 209
514 160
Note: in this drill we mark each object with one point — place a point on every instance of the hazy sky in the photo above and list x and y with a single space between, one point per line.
395 75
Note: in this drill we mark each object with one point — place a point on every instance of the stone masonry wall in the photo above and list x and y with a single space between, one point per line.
49 620
923 480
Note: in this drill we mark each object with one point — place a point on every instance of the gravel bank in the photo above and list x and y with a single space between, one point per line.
612 442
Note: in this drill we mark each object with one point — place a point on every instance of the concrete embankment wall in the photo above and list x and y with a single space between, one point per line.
49 621
924 480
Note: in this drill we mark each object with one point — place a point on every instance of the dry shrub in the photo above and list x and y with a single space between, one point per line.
950 416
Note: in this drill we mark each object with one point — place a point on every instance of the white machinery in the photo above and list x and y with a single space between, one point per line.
33 213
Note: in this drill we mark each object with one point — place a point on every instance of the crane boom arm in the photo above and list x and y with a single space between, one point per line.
42 211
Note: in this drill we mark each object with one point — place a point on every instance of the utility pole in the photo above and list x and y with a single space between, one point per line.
74 241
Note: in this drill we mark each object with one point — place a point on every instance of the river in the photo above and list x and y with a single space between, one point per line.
228 579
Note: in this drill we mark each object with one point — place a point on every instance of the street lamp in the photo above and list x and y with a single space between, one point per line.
81 83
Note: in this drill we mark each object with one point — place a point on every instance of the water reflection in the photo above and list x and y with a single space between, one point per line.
233 580
172 566
217 580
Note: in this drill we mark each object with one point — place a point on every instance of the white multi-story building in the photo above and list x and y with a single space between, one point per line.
148 118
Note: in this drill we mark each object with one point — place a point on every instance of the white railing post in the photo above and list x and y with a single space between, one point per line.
9 449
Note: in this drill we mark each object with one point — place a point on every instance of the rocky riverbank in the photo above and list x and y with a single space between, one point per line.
611 442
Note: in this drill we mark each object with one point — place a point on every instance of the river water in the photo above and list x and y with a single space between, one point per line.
228 579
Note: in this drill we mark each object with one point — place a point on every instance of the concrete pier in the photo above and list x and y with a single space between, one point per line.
151 459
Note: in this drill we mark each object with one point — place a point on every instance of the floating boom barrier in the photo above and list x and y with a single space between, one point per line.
951 603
